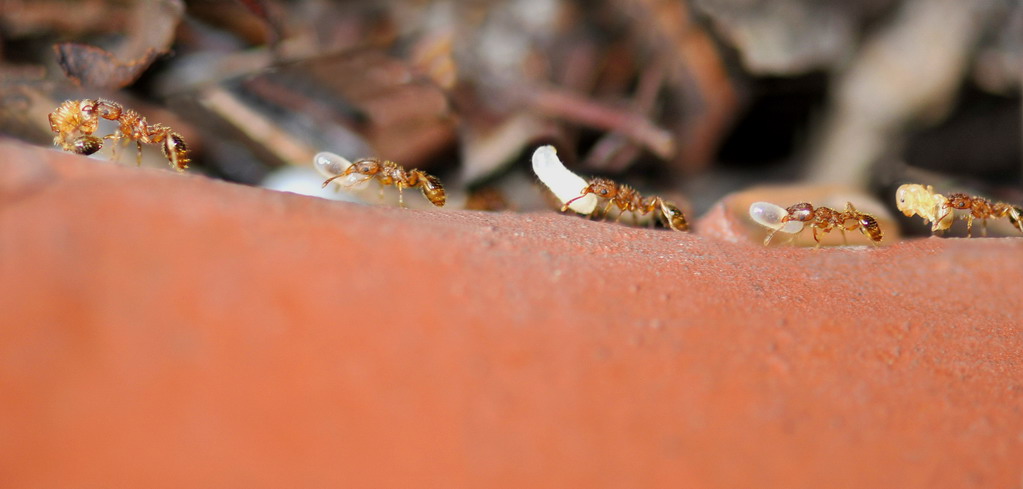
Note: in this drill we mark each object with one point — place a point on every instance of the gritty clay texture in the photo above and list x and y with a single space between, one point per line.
162 330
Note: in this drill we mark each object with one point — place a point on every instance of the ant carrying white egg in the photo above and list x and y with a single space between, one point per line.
571 189
820 219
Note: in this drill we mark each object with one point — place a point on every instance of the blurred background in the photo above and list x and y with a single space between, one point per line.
689 99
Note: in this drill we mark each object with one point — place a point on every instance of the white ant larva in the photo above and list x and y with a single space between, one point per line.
564 184
770 216
915 199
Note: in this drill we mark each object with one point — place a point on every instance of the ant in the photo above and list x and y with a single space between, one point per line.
627 199
390 173
982 209
825 219
75 121
938 209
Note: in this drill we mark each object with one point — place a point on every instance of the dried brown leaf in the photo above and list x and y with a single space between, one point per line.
433 56
152 26
149 34
260 10
28 18
94 67
701 81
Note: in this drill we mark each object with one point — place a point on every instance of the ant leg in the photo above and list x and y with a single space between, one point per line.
635 219
845 239
816 238
401 198
565 207
969 226
138 155
341 185
331 179
937 222
381 196
619 217
770 235
983 227
116 138
607 208
170 152
658 216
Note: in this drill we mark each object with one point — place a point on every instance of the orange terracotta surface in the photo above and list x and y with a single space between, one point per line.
176 331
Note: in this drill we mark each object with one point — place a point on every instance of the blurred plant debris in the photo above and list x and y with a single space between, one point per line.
699 97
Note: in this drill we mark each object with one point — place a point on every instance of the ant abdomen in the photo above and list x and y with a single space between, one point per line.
87 145
673 215
433 190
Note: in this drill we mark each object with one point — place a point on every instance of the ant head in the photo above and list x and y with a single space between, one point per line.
87 107
87 145
366 167
107 109
799 212
959 200
601 187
